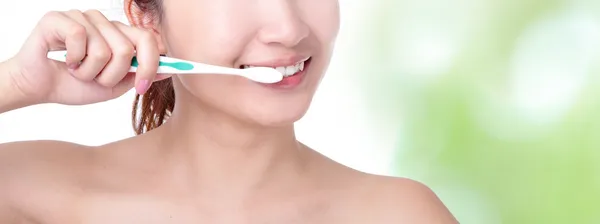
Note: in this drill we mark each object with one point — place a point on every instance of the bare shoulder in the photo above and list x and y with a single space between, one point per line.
40 157
402 200
380 199
37 171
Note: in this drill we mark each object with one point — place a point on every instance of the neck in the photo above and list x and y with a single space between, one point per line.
229 154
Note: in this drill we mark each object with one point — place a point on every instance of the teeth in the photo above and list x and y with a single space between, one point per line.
281 70
287 70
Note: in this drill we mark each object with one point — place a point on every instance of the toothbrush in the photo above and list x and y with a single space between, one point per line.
178 66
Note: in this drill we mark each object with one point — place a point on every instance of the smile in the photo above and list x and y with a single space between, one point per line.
286 71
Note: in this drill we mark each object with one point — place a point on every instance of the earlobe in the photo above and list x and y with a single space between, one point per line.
144 20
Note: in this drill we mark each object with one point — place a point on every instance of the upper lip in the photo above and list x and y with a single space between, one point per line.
280 61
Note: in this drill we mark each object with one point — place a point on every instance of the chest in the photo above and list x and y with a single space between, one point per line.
150 211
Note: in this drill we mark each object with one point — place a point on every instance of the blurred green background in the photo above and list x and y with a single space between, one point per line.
497 102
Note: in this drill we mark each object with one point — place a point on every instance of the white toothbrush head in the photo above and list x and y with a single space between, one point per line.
262 74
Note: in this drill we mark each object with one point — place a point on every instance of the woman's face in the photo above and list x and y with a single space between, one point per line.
238 33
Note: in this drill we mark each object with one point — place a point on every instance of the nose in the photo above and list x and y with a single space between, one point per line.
284 25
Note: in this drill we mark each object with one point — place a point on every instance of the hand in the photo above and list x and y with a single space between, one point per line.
99 54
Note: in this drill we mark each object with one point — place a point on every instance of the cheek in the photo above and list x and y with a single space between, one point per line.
205 35
323 17
207 86
219 89
210 91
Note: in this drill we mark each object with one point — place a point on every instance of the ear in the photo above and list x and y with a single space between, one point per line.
145 20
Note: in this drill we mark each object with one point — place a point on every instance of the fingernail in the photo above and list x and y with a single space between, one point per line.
142 86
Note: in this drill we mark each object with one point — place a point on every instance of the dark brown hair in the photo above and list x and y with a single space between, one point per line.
153 108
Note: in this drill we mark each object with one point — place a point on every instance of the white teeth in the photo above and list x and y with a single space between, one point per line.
287 70
290 70
281 70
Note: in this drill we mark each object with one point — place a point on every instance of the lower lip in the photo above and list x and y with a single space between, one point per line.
291 81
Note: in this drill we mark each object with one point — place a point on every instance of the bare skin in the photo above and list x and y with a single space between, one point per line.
58 182
215 160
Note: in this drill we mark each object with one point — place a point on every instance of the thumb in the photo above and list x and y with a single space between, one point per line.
128 83
125 85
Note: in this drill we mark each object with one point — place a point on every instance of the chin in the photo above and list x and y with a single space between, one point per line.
276 116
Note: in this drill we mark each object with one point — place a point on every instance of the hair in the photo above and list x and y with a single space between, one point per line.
152 109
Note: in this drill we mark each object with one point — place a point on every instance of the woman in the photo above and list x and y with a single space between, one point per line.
226 152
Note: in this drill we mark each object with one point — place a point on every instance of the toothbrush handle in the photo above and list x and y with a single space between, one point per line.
166 65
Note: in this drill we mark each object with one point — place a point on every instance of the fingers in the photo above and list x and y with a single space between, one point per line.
129 82
124 85
98 51
147 55
120 46
101 51
70 33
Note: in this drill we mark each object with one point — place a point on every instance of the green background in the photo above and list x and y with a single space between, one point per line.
497 103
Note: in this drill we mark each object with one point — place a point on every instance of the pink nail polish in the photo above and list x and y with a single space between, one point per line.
142 86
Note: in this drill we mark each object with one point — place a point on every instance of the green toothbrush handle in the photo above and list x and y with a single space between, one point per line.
164 66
